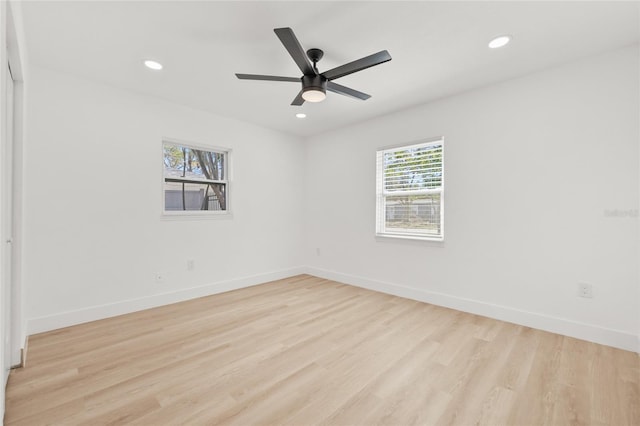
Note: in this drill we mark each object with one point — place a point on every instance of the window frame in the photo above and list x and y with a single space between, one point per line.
197 214
380 222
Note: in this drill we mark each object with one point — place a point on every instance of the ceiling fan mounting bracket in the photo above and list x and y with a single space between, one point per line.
315 54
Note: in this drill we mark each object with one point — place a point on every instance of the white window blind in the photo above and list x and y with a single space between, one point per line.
410 185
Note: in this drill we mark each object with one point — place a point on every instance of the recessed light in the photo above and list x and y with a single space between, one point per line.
153 65
499 41
301 115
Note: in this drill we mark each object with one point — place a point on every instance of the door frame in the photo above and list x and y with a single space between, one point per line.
6 221
14 56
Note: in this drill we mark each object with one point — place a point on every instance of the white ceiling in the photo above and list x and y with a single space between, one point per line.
438 49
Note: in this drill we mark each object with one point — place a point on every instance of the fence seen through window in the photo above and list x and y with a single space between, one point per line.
195 179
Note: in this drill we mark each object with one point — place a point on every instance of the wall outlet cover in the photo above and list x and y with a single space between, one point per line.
585 290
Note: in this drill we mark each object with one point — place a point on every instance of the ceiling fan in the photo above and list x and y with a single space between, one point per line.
314 83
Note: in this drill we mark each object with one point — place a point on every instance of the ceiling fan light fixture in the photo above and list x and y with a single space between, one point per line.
314 94
314 88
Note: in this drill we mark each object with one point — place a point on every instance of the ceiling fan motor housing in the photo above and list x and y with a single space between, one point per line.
314 82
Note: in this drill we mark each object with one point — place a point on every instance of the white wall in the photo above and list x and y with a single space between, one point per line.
532 168
94 237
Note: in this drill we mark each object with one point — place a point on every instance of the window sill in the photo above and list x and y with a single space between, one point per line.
195 215
383 237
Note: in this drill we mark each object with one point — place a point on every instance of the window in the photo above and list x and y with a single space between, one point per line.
195 179
410 184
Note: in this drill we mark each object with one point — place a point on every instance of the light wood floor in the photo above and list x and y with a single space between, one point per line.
305 351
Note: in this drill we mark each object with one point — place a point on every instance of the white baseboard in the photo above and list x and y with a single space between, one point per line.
592 333
93 313
589 332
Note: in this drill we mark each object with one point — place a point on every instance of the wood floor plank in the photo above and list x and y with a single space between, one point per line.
306 350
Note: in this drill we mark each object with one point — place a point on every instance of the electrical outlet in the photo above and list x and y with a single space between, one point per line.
159 277
585 290
190 265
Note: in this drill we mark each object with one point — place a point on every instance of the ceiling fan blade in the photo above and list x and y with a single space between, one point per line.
298 100
291 43
346 91
359 65
267 77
